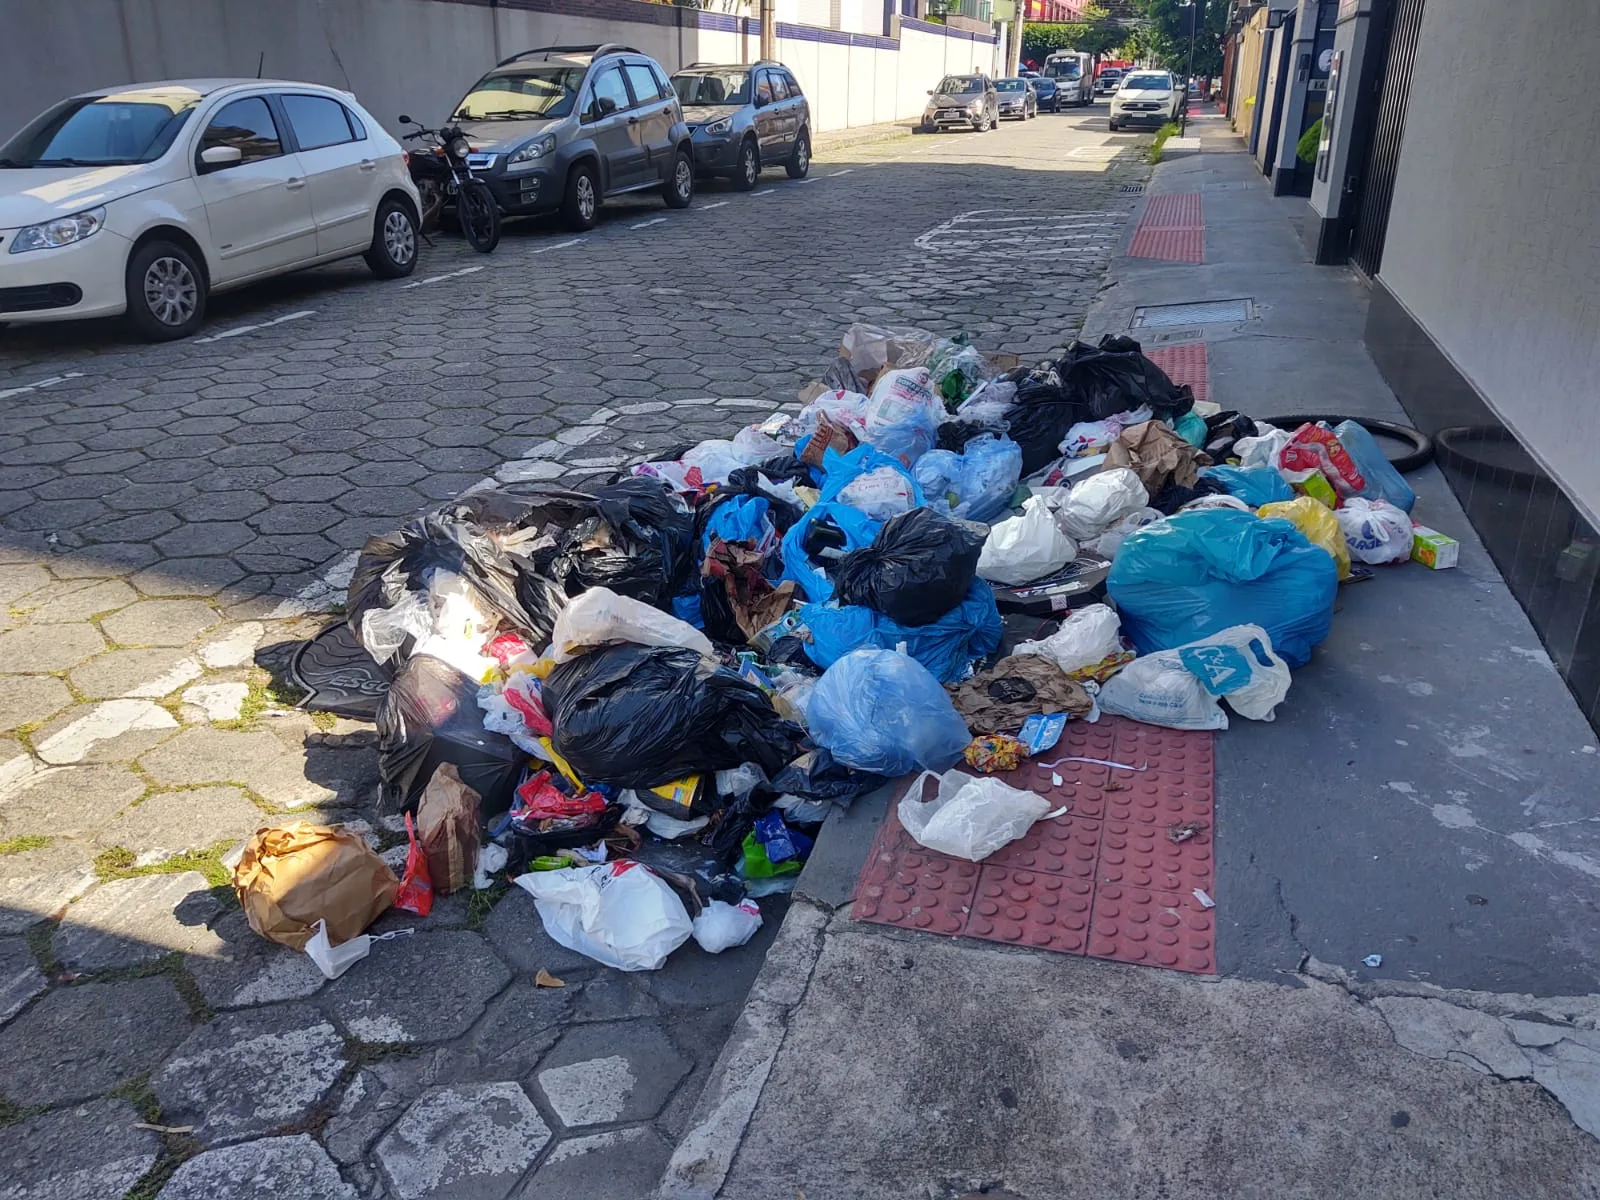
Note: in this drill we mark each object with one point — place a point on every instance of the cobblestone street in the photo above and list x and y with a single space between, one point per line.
176 519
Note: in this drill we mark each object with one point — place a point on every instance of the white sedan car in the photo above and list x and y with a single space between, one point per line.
1144 98
145 199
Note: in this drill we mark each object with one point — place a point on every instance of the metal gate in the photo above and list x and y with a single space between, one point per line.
1383 152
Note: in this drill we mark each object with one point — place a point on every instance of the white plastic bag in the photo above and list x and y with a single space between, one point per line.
848 409
1087 635
1021 549
971 817
384 630
1180 688
722 926
600 615
1109 542
1263 449
1099 502
903 414
881 493
1375 530
619 913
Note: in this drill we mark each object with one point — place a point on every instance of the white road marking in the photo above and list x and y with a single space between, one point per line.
767 192
811 179
996 231
243 329
836 174
647 224
41 383
577 241
440 278
709 207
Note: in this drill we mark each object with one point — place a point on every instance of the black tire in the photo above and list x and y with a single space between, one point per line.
748 173
678 188
1112 125
166 292
580 207
479 216
1421 444
799 164
393 253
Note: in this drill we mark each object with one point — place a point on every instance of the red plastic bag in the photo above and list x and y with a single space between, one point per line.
1315 448
538 799
416 889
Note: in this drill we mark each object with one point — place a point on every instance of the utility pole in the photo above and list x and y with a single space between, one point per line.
769 29
1018 24
1194 9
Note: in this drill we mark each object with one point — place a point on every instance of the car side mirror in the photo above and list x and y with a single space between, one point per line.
221 156
930 91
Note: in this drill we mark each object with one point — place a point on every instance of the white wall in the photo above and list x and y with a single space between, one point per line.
1494 234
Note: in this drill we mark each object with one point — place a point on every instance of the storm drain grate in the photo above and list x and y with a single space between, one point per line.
1133 189
1205 312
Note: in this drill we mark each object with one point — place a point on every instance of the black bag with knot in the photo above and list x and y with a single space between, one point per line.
638 543
1116 377
918 568
1041 413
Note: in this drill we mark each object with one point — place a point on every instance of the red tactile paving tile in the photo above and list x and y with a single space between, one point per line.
1103 879
1169 245
1185 363
1180 210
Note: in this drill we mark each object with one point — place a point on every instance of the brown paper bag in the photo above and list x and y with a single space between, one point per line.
290 876
447 827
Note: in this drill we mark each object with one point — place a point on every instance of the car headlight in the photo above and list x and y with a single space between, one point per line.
63 231
532 152
976 105
718 128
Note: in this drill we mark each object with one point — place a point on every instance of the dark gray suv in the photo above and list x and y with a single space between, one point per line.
560 128
744 118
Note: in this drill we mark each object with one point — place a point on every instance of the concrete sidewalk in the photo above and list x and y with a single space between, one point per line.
1424 794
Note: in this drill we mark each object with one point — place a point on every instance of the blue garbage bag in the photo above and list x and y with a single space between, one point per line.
976 484
879 711
945 647
1383 481
1254 485
1202 571
741 519
858 528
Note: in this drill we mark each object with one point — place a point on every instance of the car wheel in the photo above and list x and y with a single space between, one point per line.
799 164
678 190
580 208
393 253
748 173
1112 124
166 292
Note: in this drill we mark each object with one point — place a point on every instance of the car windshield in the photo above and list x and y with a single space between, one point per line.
1010 85
960 85
1069 69
523 94
1148 83
712 87
102 131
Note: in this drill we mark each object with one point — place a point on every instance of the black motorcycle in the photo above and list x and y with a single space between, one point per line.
442 172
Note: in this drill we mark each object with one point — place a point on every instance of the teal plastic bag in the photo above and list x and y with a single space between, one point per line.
1254 485
1383 481
1191 427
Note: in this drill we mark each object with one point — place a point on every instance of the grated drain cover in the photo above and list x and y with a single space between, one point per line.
1133 188
1205 312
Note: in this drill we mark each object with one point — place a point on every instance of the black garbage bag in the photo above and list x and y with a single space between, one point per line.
431 716
842 377
918 567
1174 496
1116 377
639 716
781 467
1223 429
638 542
694 871
817 775
1041 413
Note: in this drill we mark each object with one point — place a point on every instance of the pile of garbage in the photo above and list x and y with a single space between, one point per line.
640 703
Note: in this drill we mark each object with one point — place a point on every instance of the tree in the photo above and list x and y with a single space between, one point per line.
1164 39
1096 34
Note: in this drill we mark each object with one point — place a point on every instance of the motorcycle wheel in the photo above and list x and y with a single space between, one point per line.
431 193
479 216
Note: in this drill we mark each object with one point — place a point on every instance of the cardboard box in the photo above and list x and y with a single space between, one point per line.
1433 549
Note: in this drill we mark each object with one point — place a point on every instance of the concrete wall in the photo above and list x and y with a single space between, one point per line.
420 56
1492 242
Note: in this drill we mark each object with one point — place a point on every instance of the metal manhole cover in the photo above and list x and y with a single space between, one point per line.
1205 312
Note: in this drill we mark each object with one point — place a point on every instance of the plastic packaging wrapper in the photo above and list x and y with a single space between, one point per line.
1375 531
714 460
881 711
1021 549
722 926
855 528
619 913
1382 480
640 717
431 716
1315 448
1180 688
385 631
968 818
1109 542
1318 523
449 829
1099 502
919 567
903 414
976 484
1197 573
946 647
638 542
290 877
600 616
1086 637
957 369
1115 376
1254 485
516 709
1263 449
999 700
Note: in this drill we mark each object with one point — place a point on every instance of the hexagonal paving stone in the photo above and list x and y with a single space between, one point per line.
40 649
284 1168
19 579
244 969
426 988
20 978
83 1041
465 1143
598 1074
110 731
147 673
169 823
516 931
27 699
296 518
188 577
203 538
234 648
160 623
225 506
39 883
104 561
212 756
244 1074
215 701
619 1164
132 921
76 600
82 1153
68 801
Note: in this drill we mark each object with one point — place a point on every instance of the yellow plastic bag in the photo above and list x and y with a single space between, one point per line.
1317 522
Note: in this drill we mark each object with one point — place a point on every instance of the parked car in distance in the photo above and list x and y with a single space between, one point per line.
1017 99
1108 80
562 128
1045 90
744 118
1144 98
1071 69
146 199
968 100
